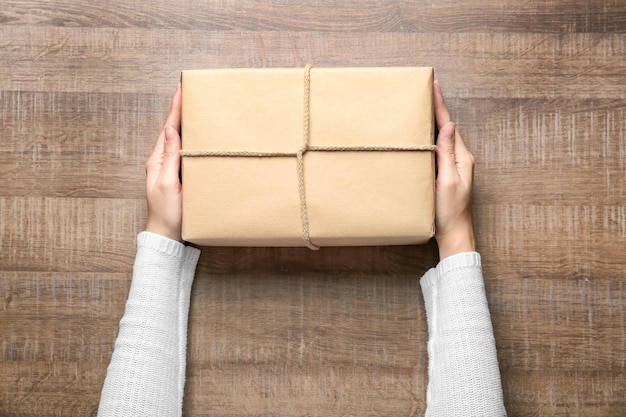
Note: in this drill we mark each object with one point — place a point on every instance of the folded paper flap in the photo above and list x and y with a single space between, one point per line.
371 107
262 110
368 194
243 110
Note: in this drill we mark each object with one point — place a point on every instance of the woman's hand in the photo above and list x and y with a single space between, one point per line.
163 187
453 196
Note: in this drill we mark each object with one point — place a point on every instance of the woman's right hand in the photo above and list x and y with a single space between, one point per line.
453 185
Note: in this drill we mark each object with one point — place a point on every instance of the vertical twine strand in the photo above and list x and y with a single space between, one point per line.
300 156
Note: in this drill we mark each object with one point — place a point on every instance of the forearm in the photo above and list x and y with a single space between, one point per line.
147 370
464 378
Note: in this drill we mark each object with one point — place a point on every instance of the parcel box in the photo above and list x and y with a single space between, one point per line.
308 156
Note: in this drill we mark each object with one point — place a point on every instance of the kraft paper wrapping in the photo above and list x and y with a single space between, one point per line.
353 198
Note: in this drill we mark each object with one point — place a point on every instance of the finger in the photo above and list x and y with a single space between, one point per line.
459 143
153 164
171 157
159 146
446 158
173 119
464 159
459 146
442 116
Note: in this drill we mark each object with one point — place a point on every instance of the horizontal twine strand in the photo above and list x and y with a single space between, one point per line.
250 154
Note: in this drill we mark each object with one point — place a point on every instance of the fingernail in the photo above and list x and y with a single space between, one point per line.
169 133
437 85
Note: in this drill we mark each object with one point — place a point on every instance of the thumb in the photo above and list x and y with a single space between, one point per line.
446 160
171 160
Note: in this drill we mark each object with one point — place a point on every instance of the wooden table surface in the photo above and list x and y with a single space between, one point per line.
537 88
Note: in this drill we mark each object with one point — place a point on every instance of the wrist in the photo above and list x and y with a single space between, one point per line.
164 231
454 243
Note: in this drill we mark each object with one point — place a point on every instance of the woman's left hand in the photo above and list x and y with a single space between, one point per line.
163 187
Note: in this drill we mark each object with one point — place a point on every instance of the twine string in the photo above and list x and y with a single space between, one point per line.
299 155
249 154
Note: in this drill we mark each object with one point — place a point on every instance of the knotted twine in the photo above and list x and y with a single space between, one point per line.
300 155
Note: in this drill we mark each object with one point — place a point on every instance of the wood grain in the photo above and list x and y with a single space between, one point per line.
106 60
539 92
330 15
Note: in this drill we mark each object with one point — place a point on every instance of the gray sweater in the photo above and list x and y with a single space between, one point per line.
146 376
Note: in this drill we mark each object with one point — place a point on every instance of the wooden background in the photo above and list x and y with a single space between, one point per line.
538 88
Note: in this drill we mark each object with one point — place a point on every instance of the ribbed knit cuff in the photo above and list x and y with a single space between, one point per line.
168 246
452 263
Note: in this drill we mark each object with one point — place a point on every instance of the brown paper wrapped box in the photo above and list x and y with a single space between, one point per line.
308 157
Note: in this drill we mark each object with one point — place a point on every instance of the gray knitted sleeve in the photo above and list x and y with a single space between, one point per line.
464 378
146 375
